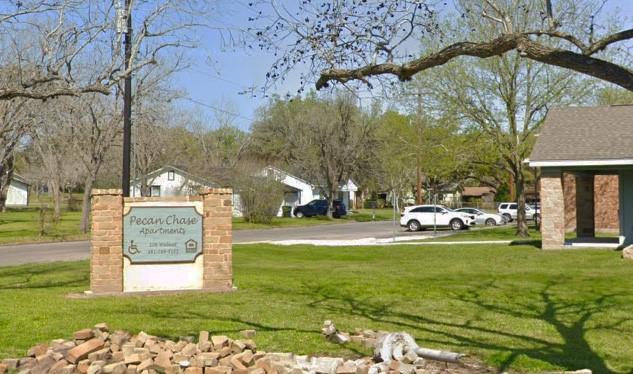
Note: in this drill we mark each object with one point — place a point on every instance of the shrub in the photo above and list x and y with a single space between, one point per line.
381 203
260 198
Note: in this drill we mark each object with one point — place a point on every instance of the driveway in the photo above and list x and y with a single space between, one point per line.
80 250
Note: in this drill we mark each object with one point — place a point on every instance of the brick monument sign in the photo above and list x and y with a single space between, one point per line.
161 243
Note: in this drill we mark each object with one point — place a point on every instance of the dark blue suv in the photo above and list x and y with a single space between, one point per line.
319 208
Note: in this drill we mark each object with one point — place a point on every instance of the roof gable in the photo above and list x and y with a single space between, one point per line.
477 191
586 133
187 175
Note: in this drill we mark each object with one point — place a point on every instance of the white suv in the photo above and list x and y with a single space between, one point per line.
509 211
418 217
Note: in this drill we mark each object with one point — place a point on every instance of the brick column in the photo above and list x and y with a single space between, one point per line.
585 222
552 210
106 261
569 193
218 238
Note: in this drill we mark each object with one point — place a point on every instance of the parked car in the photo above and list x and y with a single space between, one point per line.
319 208
509 211
483 218
419 217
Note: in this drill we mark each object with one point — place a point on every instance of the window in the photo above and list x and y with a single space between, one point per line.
154 191
423 209
513 206
503 206
171 175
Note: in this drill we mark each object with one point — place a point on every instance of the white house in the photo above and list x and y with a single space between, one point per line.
298 191
18 193
170 181
347 193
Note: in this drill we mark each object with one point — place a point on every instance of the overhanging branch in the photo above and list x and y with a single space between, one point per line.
580 62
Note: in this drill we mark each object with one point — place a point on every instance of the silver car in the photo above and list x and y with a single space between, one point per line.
483 218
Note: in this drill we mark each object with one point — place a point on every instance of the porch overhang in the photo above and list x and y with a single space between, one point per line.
580 163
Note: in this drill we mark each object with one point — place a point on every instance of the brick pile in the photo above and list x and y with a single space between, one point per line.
100 351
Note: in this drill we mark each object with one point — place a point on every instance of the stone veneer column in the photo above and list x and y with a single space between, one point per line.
585 219
106 261
218 238
552 210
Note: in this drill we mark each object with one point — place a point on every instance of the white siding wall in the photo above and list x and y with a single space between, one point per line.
18 194
179 186
305 192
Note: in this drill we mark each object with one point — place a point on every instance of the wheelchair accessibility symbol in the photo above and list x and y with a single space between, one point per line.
132 248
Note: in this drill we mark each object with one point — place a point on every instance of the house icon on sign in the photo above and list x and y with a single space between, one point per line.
191 246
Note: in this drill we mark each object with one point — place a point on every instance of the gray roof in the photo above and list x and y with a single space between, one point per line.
20 179
586 133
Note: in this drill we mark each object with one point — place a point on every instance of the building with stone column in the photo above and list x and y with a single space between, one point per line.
585 150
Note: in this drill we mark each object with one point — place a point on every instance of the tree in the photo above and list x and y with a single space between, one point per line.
434 144
55 163
614 96
346 41
96 131
505 99
13 125
260 195
71 47
396 160
324 140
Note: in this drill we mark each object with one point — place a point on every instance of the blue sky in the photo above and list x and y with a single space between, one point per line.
219 74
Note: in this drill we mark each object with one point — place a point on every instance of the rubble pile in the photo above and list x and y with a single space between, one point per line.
101 351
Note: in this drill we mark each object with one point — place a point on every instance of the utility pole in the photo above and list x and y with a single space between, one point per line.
419 199
127 104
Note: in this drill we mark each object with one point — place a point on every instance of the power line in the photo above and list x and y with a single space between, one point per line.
219 109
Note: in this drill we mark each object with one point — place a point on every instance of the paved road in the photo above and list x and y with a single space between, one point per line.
80 250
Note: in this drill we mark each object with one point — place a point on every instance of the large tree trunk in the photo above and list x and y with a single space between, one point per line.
56 195
522 225
6 174
330 198
85 208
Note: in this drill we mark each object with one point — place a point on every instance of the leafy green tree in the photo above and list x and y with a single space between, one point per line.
324 140
506 100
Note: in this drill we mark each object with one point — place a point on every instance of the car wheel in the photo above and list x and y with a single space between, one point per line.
507 217
456 224
299 214
414 225
491 222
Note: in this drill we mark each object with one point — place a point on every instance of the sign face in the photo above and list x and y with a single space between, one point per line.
162 234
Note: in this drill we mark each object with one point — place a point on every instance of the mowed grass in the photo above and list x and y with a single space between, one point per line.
505 232
516 307
361 215
278 222
23 225
365 215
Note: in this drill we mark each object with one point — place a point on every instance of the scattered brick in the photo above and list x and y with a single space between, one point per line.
83 350
84 334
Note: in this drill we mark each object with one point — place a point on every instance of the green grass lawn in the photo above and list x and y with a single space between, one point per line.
23 225
240 224
516 307
365 215
506 232
361 215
